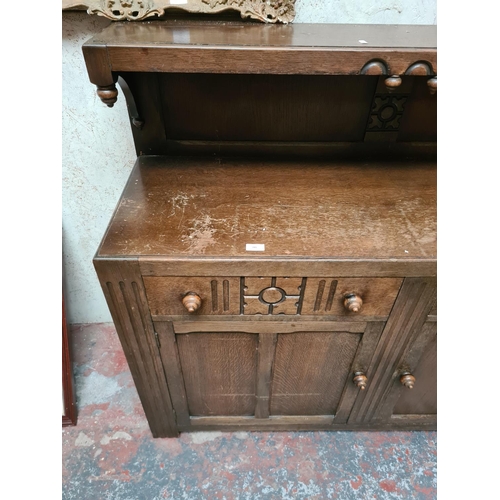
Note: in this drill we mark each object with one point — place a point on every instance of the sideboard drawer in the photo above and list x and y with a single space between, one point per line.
327 296
188 295
217 295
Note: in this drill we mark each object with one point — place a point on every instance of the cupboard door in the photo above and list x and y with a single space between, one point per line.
263 371
310 372
411 398
422 398
398 351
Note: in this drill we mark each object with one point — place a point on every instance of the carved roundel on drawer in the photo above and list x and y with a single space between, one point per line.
272 295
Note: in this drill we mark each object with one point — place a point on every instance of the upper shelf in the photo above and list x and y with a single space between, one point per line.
240 47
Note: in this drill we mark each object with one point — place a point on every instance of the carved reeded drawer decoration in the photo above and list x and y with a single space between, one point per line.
268 11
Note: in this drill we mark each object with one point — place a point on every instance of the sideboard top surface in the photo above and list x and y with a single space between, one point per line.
213 207
198 33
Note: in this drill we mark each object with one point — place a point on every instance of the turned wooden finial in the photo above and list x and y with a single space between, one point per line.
360 380
408 380
393 82
353 302
108 94
191 301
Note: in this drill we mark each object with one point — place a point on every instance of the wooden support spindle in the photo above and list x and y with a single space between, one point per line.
393 82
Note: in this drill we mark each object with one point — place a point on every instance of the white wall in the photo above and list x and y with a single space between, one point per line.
98 151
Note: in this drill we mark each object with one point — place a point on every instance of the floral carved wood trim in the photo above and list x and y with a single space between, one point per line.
268 11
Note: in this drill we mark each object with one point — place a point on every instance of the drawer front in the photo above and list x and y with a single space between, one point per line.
218 295
355 297
326 296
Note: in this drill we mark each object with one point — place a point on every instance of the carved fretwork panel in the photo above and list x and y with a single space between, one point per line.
387 108
386 112
268 11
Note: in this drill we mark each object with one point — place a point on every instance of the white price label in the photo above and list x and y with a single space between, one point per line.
255 247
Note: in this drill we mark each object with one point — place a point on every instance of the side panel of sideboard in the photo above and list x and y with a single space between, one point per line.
123 288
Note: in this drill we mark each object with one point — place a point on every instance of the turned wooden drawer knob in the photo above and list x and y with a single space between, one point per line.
408 380
191 301
360 380
353 302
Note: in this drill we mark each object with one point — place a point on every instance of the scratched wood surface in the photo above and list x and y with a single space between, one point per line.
214 207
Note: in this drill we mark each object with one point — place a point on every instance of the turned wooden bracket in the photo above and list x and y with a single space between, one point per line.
424 69
137 121
421 68
377 67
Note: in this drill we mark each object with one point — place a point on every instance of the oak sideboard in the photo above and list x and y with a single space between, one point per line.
271 263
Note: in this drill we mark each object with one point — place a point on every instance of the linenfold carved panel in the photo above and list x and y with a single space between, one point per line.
268 11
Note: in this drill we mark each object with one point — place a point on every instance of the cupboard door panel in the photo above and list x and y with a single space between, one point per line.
422 399
219 371
310 372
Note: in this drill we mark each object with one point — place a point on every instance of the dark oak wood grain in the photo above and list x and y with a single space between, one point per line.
263 324
238 48
215 207
407 317
169 353
219 295
267 350
271 263
318 267
361 363
310 372
326 296
303 423
219 372
266 108
122 285
422 362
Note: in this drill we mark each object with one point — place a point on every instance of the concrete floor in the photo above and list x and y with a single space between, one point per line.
110 454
